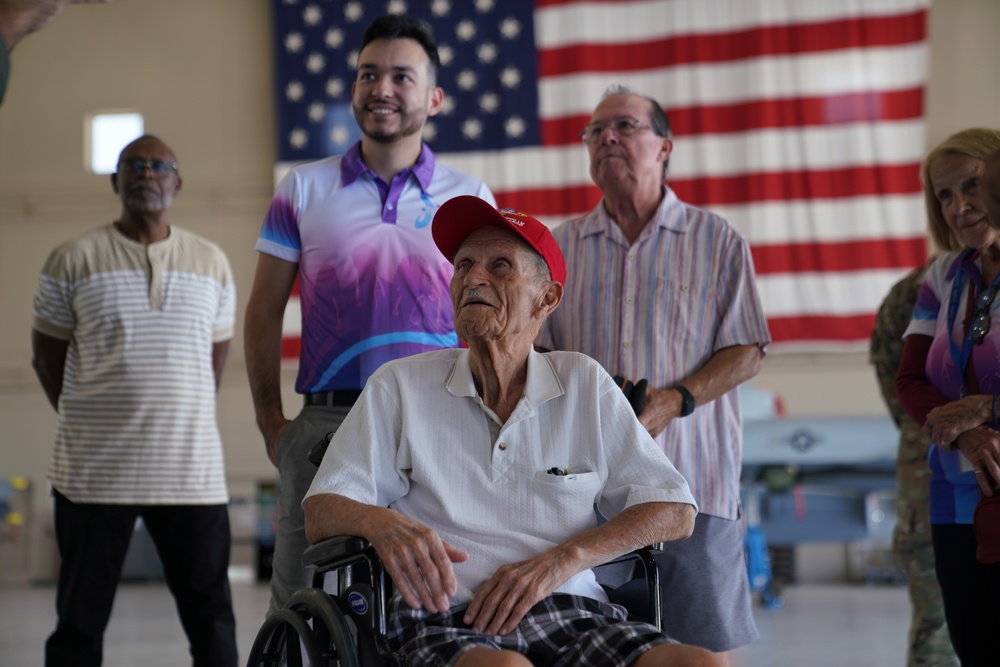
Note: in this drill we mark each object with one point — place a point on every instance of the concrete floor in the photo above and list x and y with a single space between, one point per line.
818 626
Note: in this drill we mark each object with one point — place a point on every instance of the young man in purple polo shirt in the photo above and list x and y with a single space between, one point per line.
355 229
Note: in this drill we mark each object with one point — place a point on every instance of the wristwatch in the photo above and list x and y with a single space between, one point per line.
687 400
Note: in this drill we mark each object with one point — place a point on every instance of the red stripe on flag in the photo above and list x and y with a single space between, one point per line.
290 346
562 202
817 257
796 38
759 114
859 181
819 328
741 189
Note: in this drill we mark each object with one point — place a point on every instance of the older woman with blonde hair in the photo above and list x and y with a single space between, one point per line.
949 381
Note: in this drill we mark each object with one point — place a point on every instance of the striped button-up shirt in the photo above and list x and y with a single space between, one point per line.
659 309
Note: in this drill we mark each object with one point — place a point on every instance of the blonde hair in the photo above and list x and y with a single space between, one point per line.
977 142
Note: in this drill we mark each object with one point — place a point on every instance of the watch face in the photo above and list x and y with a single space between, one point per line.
687 401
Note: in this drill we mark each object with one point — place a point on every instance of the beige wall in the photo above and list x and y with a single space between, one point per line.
200 72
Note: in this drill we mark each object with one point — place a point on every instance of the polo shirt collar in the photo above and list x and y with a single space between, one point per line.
352 166
543 383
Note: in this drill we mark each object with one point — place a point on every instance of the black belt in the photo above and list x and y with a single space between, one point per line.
339 397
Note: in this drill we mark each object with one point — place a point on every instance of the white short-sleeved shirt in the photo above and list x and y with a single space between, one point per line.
419 440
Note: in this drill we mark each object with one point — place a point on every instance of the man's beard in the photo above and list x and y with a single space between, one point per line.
143 205
409 124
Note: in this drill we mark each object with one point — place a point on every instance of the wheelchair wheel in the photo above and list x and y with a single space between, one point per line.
335 635
278 641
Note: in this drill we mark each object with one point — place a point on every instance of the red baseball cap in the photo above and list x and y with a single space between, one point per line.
460 216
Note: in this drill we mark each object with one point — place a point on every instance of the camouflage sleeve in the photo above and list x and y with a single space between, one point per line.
886 347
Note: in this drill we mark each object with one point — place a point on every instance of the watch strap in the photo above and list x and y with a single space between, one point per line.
687 400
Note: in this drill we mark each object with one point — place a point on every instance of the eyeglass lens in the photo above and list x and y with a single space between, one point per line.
622 127
158 167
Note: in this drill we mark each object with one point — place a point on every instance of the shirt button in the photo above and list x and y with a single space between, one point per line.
628 344
685 288
628 300
503 446
389 206
631 257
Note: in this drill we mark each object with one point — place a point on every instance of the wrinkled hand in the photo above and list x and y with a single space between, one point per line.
945 423
662 405
418 561
981 446
23 17
500 603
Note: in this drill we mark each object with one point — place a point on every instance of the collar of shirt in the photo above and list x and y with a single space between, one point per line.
668 215
542 384
352 167
967 260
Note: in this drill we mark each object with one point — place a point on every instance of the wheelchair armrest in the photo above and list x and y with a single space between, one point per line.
336 551
642 555
651 604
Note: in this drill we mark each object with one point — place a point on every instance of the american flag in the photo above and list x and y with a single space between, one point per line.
800 122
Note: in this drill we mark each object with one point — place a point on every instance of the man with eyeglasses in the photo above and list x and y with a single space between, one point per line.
132 323
660 290
355 230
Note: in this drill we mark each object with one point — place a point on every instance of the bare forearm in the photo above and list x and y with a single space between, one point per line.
262 347
501 602
48 358
20 18
417 559
329 515
723 372
51 380
636 527
272 285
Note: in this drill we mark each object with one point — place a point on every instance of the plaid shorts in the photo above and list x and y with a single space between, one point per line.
561 630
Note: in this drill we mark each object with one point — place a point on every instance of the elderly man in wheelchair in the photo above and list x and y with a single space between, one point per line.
474 473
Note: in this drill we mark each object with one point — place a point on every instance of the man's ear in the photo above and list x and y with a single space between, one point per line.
551 297
666 149
114 182
435 101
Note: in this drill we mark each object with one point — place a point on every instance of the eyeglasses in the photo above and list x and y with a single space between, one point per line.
622 127
157 167
981 320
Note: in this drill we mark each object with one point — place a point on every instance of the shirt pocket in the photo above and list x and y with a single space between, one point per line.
566 502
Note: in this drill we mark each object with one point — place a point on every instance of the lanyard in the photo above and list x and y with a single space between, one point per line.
960 359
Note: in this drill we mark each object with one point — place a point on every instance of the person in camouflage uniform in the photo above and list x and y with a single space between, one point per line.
929 644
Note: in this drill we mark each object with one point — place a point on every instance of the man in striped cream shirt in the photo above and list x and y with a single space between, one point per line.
132 323
660 290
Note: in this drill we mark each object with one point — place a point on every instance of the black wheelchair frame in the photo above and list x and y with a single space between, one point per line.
349 629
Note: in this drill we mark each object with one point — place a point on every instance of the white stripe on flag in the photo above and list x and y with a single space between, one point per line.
854 293
621 22
291 325
800 75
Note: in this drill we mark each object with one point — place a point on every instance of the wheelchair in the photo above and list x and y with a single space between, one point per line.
348 629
